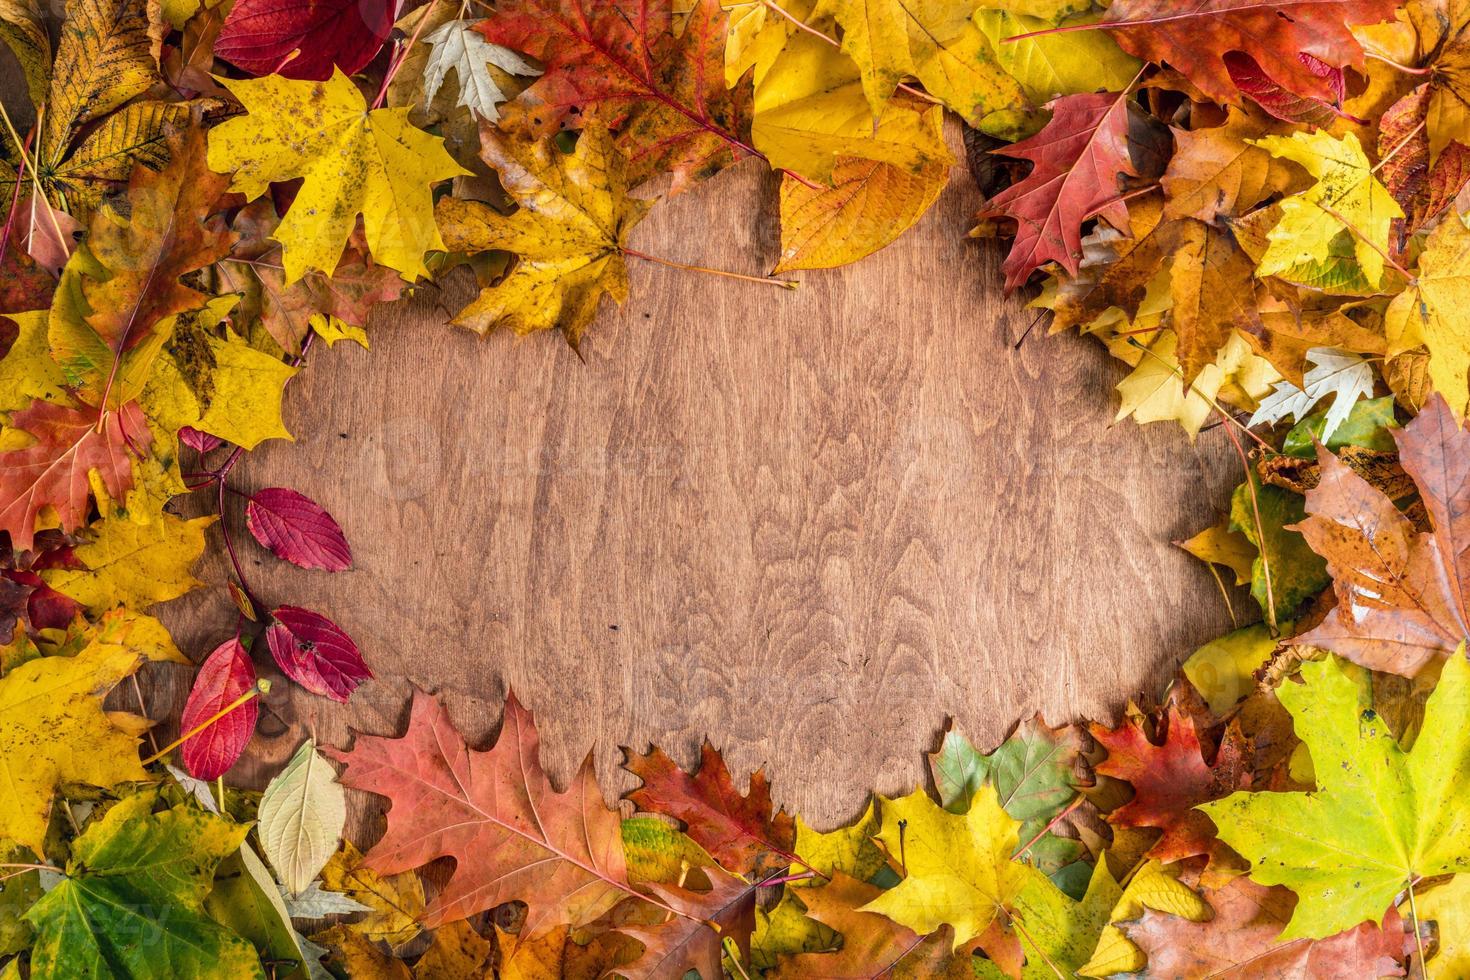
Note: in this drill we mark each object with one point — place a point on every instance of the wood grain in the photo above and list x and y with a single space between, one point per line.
811 525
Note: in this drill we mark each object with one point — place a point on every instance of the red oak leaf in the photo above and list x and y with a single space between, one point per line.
665 93
686 942
739 832
511 835
225 676
70 443
1169 778
1423 191
1195 38
296 529
1280 102
1078 157
1240 941
315 653
305 38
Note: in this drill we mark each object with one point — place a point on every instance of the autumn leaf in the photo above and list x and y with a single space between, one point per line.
1170 774
1422 189
1431 311
315 652
568 234
695 938
1077 160
1447 117
1346 198
304 40
1401 594
297 529
135 872
1380 817
226 675
301 816
739 831
23 29
869 204
1196 40
1340 375
354 160
662 91
1221 171
1444 905
55 732
456 46
396 902
127 563
1285 572
1149 886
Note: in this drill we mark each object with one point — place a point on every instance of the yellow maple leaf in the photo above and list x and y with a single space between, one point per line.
28 371
1152 886
353 160
1346 196
1155 391
1432 312
54 730
131 564
959 870
1447 905
567 236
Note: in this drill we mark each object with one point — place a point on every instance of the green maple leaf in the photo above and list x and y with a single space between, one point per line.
131 902
1380 817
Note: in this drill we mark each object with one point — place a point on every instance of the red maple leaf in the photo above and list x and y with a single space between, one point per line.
740 832
70 443
1170 778
664 93
1077 159
1196 37
305 38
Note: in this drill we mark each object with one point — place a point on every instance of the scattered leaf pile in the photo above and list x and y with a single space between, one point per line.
1259 207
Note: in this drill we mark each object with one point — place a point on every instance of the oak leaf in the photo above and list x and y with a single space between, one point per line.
1342 375
354 160
1077 160
1242 941
739 831
1219 170
1196 39
1380 817
1401 594
568 234
304 39
456 46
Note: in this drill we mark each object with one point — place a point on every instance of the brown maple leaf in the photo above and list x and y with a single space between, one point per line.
1240 941
1195 39
739 832
1078 158
1403 597
1170 777
664 93
70 442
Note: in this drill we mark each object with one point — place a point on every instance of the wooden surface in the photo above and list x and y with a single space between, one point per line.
810 524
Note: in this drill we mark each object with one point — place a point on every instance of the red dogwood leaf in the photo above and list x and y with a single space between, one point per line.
296 529
70 442
1169 778
225 675
305 38
739 832
1196 37
1078 157
315 653
200 442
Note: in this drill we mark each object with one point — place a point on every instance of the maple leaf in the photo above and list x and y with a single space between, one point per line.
869 204
1401 594
1221 170
456 46
1151 885
55 732
568 235
1380 817
1342 375
1422 189
511 835
1346 198
1447 116
70 444
664 93
739 832
1241 941
1444 905
1197 39
1431 312
354 160
296 529
126 563
396 902
225 676
686 942
1077 160
304 39
1169 778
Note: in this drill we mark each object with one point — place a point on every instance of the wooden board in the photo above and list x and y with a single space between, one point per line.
811 525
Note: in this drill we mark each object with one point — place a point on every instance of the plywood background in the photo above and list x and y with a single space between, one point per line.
811 525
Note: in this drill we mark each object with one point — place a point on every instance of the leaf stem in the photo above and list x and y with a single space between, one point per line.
401 55
772 5
1398 67
261 687
783 283
1398 146
1414 921
1076 802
